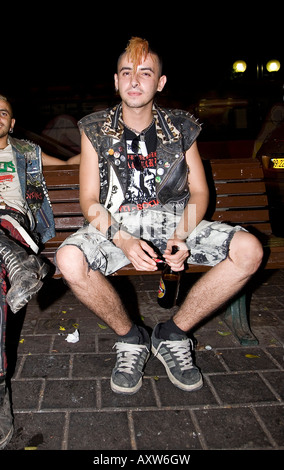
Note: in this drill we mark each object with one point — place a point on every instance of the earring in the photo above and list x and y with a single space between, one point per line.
11 131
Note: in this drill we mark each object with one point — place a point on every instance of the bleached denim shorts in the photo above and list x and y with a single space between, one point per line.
208 245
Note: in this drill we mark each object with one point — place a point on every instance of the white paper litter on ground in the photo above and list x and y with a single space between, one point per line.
73 337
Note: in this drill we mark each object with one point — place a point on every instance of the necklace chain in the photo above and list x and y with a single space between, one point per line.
143 131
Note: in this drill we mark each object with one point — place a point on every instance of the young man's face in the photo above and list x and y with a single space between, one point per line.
137 88
6 120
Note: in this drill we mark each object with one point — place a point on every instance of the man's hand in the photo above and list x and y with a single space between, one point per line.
139 253
176 261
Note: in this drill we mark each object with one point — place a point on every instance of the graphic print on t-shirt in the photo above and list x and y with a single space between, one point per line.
141 164
7 176
10 190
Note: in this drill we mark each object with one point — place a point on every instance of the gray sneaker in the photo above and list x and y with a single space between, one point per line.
127 373
175 355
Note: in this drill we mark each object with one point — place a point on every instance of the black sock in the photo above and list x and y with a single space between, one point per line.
136 332
164 330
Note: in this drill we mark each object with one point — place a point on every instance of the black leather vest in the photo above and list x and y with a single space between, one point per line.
176 132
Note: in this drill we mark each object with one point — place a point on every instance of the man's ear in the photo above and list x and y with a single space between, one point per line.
13 121
162 82
116 82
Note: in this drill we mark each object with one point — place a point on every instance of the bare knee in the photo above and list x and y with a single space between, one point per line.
71 262
246 252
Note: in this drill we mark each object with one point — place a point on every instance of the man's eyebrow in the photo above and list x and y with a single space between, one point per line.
147 68
140 68
6 111
125 68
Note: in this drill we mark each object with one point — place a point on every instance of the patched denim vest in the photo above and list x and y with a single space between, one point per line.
176 132
29 167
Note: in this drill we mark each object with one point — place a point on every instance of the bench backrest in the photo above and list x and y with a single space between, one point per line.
238 195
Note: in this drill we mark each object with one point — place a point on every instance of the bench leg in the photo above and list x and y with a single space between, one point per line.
236 319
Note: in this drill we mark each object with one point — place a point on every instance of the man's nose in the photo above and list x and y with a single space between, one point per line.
134 80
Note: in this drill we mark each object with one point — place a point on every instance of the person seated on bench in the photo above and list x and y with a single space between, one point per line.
143 190
26 220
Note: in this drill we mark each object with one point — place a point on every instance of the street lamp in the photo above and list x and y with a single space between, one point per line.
273 66
239 66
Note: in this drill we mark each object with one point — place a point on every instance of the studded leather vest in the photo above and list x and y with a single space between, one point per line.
176 132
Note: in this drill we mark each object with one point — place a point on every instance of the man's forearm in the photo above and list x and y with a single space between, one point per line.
101 219
192 215
98 216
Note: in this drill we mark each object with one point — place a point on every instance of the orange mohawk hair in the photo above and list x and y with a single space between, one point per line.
137 50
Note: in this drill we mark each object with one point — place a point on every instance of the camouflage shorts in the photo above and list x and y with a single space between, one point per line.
208 245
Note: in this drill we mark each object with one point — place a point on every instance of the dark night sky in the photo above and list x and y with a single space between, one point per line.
76 48
73 46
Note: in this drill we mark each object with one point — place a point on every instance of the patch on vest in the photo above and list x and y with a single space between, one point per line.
34 195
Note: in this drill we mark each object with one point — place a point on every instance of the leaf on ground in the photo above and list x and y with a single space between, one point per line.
224 333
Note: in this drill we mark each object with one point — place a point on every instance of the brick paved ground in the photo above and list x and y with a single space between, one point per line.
62 397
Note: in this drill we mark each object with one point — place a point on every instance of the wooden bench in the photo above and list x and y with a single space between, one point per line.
238 196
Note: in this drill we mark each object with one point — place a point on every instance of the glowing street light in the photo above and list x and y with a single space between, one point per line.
273 66
239 66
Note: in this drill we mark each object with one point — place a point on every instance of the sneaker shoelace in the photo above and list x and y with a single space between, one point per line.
181 350
127 355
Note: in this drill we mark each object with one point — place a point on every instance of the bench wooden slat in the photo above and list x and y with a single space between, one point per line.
261 228
67 208
241 216
246 187
238 168
66 195
61 176
69 223
254 200
56 241
237 173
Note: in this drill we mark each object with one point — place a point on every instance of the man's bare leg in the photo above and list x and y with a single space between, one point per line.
93 289
222 282
170 343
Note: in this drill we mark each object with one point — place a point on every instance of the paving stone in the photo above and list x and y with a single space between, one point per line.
46 366
249 358
273 418
231 428
38 431
99 431
276 380
34 344
277 354
241 388
210 361
164 430
93 365
173 396
69 394
26 394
